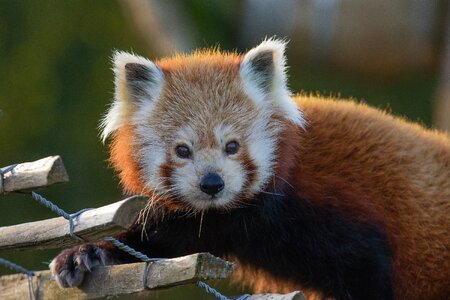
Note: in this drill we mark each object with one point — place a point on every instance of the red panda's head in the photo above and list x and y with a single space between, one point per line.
199 130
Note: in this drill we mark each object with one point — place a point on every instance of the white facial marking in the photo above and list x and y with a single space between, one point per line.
151 156
262 143
186 135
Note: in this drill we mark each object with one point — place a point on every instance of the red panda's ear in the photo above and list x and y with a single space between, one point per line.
263 73
138 82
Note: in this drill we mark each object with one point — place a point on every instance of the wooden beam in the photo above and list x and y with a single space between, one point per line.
291 296
91 225
120 279
32 175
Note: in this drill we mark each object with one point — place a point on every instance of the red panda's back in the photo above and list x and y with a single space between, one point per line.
373 167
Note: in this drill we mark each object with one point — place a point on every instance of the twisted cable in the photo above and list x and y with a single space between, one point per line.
53 207
20 269
130 250
211 291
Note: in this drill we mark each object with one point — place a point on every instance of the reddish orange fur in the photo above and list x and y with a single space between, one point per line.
385 171
195 62
262 282
122 159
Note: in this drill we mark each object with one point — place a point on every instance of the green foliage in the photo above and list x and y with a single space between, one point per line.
55 83
215 21
408 95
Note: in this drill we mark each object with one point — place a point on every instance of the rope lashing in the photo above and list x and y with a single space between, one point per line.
61 212
2 178
147 259
20 269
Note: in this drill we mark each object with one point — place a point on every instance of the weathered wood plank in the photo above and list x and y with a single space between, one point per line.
91 225
291 296
120 279
32 175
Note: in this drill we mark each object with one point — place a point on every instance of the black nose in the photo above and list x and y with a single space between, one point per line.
211 184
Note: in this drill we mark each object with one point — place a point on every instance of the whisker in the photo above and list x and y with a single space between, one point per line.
275 194
285 181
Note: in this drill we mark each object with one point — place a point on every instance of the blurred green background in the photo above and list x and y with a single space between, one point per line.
56 78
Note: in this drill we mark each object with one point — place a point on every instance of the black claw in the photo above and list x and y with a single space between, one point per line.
71 265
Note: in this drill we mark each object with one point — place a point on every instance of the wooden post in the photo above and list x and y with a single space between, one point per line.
291 296
129 279
91 225
32 175
120 279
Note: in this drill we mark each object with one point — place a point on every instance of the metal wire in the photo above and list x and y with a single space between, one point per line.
130 250
60 212
20 269
15 267
212 291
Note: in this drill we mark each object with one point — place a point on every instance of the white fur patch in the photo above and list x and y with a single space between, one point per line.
151 155
186 135
123 106
279 96
224 134
262 143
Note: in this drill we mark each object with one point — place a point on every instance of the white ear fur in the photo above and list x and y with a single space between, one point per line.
138 82
263 73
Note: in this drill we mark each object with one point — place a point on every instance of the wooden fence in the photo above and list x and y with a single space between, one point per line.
93 225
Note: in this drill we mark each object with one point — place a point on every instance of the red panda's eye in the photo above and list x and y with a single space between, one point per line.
231 148
183 151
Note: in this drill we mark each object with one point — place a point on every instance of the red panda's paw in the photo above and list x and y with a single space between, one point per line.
70 266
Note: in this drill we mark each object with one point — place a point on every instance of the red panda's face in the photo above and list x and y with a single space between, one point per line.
205 142
205 126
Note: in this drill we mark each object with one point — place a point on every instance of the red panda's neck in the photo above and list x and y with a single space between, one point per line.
287 155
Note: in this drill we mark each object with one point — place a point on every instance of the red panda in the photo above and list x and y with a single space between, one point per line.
327 196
